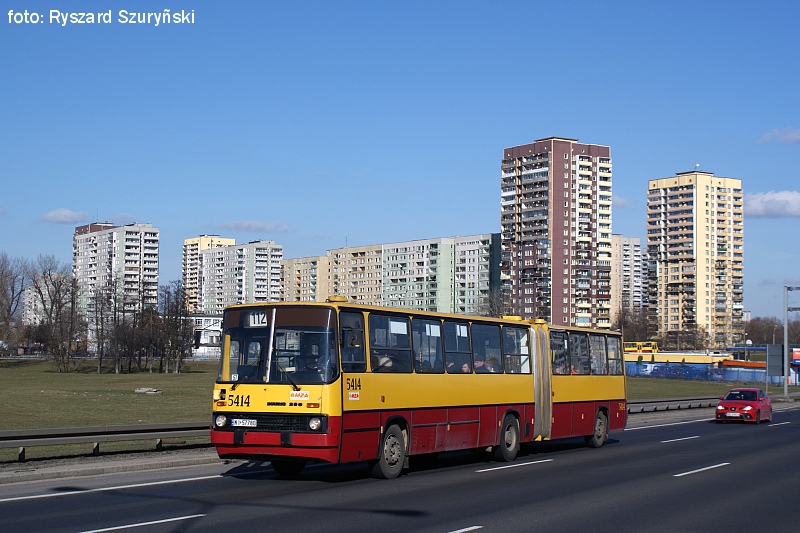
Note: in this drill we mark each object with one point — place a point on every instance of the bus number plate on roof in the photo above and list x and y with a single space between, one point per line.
256 319
243 422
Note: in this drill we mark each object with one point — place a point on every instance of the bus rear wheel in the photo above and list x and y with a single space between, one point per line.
600 434
509 440
288 468
392 456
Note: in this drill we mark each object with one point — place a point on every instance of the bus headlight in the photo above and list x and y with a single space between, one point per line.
220 421
314 424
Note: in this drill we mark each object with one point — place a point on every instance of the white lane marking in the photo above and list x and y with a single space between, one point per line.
471 528
513 466
140 524
121 487
670 424
106 489
682 438
700 470
778 424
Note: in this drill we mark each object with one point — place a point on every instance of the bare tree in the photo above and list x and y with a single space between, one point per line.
494 304
177 327
55 293
14 274
635 324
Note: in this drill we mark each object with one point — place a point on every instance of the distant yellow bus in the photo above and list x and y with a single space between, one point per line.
340 383
640 347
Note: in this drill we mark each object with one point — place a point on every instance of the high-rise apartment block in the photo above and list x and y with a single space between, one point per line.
556 231
628 275
306 279
355 273
116 260
449 274
237 274
695 241
190 271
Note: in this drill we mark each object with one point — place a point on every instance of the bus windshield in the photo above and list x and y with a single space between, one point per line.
291 345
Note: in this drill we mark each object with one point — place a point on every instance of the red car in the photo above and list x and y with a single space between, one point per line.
746 405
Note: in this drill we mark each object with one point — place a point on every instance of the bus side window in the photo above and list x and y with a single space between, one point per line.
599 362
486 348
389 348
516 351
615 367
426 341
352 341
458 355
579 353
558 345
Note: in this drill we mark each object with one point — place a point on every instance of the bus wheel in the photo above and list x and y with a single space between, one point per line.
287 468
600 435
392 456
509 440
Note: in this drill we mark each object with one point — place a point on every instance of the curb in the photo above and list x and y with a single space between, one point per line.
20 474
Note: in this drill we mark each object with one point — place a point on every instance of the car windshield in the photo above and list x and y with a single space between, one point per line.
746 395
292 345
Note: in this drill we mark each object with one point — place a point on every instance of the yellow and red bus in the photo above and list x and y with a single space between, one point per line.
340 382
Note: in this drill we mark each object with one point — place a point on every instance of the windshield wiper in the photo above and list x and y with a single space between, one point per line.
250 373
285 373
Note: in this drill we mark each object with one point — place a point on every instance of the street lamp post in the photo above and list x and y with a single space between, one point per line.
746 358
786 310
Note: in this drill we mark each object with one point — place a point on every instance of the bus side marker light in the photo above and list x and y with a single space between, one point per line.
312 405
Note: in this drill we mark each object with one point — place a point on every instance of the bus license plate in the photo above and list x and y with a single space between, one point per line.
243 422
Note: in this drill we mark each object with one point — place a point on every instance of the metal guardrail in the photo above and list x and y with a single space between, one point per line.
98 434
668 404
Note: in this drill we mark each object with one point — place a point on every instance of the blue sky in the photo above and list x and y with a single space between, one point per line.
325 124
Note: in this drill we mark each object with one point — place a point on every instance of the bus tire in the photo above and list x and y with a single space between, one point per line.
392 455
288 467
506 451
600 434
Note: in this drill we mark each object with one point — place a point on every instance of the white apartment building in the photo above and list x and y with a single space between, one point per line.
116 260
628 274
240 273
695 241
190 271
355 272
446 275
420 274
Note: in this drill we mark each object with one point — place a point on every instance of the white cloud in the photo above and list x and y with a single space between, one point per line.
65 216
772 204
256 226
783 135
621 202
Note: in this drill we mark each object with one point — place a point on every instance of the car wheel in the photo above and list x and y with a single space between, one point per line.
758 417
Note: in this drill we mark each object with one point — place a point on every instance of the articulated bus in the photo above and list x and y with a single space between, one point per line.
339 382
640 347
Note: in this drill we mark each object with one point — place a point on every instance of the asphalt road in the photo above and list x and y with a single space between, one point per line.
674 471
